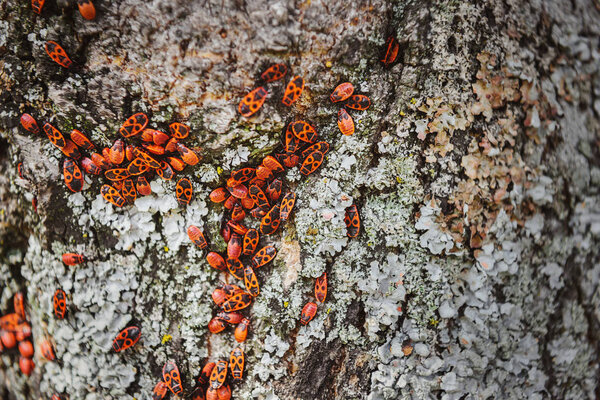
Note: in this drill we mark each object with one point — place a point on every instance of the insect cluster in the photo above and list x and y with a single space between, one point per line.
14 328
344 92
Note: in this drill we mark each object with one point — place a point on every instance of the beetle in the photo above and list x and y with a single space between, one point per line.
287 204
73 176
358 102
352 220
238 213
137 167
54 135
19 304
197 237
237 227
241 331
304 131
270 222
47 350
218 374
117 174
171 377
250 242
274 189
142 186
239 191
134 125
81 140
234 246
345 122
321 287
127 338
236 363
70 150
293 90
271 163
264 256
184 191
171 145
253 101
264 173
251 281
86 9
176 163
160 391
90 167
291 142
72 258
146 158
30 124
128 191
165 171
179 130
274 73
218 195
154 149
100 161
58 54
391 51
233 318
237 302
219 296
216 325
308 313
59 302
323 147
26 365
242 175
224 392
312 162
111 195
205 373
188 156
235 267
342 92
215 260
259 197
37 6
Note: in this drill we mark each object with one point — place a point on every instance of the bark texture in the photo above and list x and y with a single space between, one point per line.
476 172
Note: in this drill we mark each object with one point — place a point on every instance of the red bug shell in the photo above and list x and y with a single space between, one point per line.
242 175
118 185
224 393
106 154
250 242
287 204
237 302
197 394
47 350
54 135
352 220
236 363
234 247
22 331
30 124
358 102
128 191
240 191
231 289
59 301
10 322
264 173
129 153
176 163
293 90
70 150
230 202
225 230
137 167
187 155
8 339
218 374
241 331
291 141
205 374
218 195
20 171
251 281
58 54
171 377
342 92
274 189
73 176
87 9
100 161
117 152
184 191
146 158
26 349
391 50
258 212
111 195
142 186
312 162
134 125
216 325
270 222
171 146
19 304
345 122
197 237
179 130
165 171
159 138
274 73
219 296
253 101
212 394
26 365
72 258
231 318
117 174
308 313
247 203
259 197
264 256
290 160
127 338
154 149
304 131
37 5
160 391
235 267
272 163
216 261
323 147
147 135
81 140
238 213
321 287
237 227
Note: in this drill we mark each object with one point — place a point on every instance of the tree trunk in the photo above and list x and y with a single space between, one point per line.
476 172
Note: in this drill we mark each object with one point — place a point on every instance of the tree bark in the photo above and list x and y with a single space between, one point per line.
476 172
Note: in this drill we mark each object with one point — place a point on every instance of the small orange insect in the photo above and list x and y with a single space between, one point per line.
252 102
250 242
176 163
134 125
274 189
235 267
270 222
117 174
111 195
264 256
237 302
218 374
236 363
137 167
234 247
127 338
308 313
146 158
165 171
87 9
272 163
54 135
171 146
321 287
73 259
19 304
212 394
184 191
47 350
154 149
179 130
90 167
231 318
160 391
358 102
263 173
238 213
205 373
58 54
312 162
187 155
30 124
291 141
81 140
323 147
128 191
37 6
352 220
216 261
240 191
218 195
304 131
100 161
219 297
241 331
142 186
216 325
237 227
171 377
251 281
293 90
117 152
241 175
59 302
26 365
70 150
274 73
73 176
224 392
391 50
345 122
287 204
197 237
342 92
259 197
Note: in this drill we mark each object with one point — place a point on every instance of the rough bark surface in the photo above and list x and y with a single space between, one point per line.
476 172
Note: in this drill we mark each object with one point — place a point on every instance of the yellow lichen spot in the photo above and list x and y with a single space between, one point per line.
433 321
186 267
166 249
85 235
413 101
328 310
312 231
286 304
328 64
2 211
402 113
399 180
219 170
166 338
